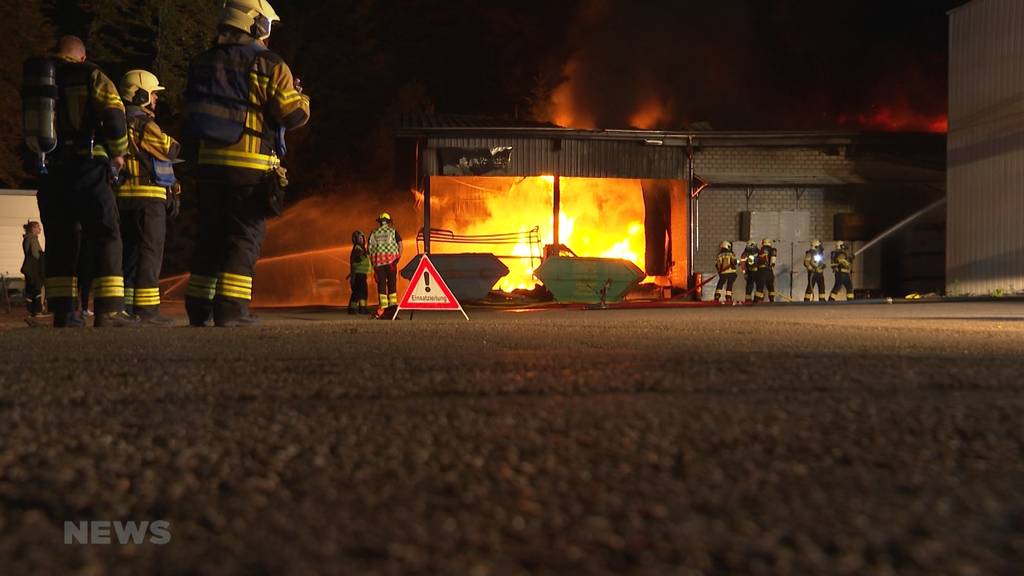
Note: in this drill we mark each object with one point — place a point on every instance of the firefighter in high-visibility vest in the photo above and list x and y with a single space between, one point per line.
767 257
748 263
842 265
240 100
814 263
359 270
146 194
385 249
76 201
726 264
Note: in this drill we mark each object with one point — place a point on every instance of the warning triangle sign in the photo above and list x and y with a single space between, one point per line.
427 291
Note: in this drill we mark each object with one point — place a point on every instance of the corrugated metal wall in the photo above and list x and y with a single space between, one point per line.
577 158
985 239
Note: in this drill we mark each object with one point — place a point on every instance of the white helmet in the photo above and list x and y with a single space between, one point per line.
137 87
254 17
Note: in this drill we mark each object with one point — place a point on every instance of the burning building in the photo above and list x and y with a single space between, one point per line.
663 200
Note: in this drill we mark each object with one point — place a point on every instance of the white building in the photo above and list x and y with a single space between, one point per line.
985 235
16 208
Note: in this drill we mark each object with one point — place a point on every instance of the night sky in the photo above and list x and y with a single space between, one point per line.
735 64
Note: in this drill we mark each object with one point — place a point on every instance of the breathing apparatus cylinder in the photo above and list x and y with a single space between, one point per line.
39 107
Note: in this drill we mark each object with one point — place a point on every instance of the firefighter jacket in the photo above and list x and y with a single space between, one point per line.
146 142
90 114
726 263
384 246
842 262
359 260
748 260
766 257
814 261
240 100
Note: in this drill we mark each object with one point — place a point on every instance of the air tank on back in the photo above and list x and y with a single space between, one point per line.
39 107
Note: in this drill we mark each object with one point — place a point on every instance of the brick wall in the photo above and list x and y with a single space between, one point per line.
720 206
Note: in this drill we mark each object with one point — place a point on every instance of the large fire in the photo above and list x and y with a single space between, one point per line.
598 217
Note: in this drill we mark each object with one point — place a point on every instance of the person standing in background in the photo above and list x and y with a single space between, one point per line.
359 271
32 268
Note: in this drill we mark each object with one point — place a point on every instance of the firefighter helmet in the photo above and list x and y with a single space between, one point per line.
358 237
384 217
840 245
815 243
766 242
725 245
254 17
137 87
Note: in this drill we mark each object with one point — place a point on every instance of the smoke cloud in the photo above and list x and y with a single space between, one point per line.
738 64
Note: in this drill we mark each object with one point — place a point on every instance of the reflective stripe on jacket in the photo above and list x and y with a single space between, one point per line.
146 141
384 246
359 260
240 96
725 263
90 114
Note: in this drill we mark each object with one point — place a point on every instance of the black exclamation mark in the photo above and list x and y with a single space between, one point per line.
426 280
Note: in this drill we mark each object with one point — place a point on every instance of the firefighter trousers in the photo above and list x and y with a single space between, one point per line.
751 278
387 285
143 229
360 292
765 285
815 280
724 286
77 206
232 226
843 281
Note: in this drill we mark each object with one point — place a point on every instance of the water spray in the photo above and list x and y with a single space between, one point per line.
902 223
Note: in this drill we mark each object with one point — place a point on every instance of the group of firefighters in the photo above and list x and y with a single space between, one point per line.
758 266
107 182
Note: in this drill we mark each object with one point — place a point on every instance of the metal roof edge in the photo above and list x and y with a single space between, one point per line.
671 138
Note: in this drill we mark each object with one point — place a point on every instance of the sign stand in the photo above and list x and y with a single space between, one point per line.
427 291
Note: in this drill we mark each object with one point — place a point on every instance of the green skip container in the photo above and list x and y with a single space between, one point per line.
581 280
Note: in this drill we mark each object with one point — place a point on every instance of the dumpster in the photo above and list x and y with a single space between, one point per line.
582 280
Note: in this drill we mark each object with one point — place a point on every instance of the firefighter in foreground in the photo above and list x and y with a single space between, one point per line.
814 263
385 249
147 193
842 265
241 98
725 263
767 257
75 196
359 271
748 263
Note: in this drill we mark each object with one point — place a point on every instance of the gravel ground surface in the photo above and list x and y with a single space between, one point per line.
843 439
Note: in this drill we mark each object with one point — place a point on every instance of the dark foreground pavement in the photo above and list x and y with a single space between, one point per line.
848 439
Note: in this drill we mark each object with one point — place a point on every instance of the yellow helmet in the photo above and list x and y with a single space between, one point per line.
766 242
137 87
725 245
815 243
253 17
384 217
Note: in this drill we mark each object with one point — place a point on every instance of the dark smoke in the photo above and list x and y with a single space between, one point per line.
745 64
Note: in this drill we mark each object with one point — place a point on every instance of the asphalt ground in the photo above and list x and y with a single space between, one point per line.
826 439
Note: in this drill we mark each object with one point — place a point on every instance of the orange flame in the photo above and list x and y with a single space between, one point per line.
598 217
650 115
